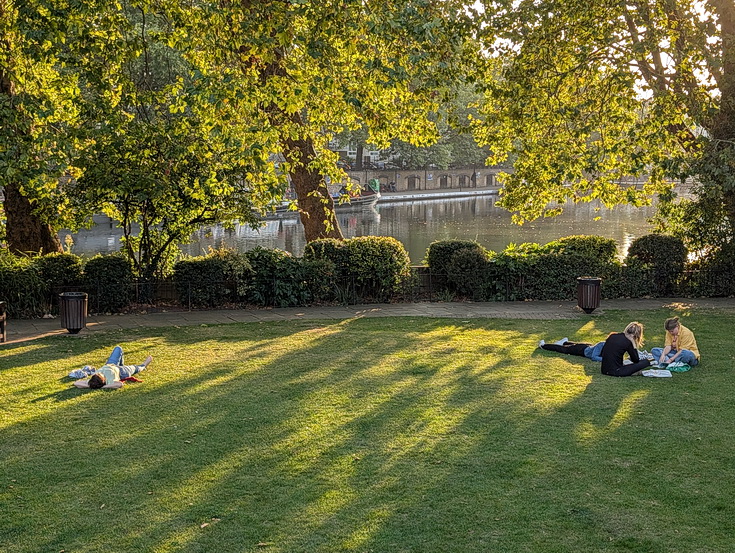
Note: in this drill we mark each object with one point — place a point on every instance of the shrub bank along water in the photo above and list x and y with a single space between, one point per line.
371 269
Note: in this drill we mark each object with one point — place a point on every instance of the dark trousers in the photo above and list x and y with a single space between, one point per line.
570 348
627 370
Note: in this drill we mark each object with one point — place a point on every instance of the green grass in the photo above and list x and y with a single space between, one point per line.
383 435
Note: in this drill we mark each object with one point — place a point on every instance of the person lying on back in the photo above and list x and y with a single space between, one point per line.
113 372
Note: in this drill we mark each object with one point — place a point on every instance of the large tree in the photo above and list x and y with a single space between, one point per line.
49 50
587 94
164 149
35 100
303 71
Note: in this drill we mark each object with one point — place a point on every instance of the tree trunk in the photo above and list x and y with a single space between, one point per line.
25 231
358 157
316 207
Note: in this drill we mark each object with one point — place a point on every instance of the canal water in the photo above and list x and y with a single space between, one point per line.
415 223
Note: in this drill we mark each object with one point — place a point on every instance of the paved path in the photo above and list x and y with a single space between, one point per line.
24 330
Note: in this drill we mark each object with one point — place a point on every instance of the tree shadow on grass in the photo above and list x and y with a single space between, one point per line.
349 439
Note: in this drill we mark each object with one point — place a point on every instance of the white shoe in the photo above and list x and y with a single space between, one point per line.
561 342
541 343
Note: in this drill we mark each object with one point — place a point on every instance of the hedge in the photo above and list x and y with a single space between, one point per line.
667 255
109 281
213 280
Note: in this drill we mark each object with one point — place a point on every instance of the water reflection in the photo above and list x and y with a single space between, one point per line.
416 224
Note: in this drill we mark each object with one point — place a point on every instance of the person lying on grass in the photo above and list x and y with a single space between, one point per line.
113 372
583 349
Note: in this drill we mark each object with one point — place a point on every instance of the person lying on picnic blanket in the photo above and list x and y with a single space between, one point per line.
112 373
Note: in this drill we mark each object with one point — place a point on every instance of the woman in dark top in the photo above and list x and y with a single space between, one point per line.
620 343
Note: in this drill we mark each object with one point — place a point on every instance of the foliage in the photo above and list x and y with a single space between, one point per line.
109 281
595 247
587 97
167 158
378 266
700 221
302 72
467 272
213 280
49 54
455 146
667 255
21 286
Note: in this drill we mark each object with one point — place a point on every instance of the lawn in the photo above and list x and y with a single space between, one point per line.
369 435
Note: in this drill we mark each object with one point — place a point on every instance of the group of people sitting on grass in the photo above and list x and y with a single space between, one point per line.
680 347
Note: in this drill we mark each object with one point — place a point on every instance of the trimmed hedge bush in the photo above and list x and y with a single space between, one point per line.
439 253
712 276
109 281
666 254
467 273
59 271
604 250
21 286
439 258
278 278
523 271
634 279
368 268
220 277
333 250
378 264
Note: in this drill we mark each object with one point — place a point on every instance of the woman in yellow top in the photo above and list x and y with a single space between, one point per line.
679 345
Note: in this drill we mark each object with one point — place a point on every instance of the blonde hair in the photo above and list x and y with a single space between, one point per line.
635 331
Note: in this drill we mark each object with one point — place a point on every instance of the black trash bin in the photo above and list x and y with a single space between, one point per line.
588 293
73 311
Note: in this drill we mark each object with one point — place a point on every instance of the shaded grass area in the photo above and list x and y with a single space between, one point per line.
396 434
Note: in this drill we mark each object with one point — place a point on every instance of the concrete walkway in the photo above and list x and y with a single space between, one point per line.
25 330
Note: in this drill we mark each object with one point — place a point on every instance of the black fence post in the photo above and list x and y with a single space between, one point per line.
3 319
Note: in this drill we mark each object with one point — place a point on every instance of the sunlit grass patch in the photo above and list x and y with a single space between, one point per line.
400 434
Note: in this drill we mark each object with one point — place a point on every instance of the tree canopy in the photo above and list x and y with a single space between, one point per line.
174 114
585 94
